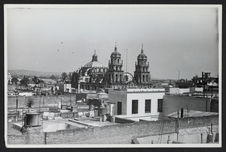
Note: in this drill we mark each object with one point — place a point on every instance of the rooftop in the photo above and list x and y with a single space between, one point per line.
140 90
92 64
192 113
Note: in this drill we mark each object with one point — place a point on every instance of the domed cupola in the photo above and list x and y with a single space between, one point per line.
142 56
94 57
115 53
94 62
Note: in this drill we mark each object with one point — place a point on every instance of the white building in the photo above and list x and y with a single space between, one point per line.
137 104
26 94
9 78
67 87
179 90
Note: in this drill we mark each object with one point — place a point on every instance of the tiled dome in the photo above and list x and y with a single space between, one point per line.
93 64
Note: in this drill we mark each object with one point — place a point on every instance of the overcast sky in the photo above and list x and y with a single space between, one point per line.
64 39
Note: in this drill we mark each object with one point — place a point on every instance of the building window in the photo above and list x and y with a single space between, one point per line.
160 103
147 78
134 106
147 106
143 79
119 108
116 76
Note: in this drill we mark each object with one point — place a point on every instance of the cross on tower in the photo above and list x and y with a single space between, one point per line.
142 51
115 46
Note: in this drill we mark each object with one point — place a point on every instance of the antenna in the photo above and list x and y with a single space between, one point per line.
115 46
142 48
126 59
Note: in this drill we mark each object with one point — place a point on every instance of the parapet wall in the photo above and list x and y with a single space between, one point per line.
123 133
120 133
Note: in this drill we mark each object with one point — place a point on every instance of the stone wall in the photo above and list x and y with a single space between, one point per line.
123 133
120 133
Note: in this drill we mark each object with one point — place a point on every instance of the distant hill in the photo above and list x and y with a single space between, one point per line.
22 72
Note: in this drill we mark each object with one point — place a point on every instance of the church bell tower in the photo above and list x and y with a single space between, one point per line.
142 75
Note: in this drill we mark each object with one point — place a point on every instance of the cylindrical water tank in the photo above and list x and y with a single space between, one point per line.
32 119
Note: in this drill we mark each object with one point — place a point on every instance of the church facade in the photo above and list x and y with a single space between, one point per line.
94 75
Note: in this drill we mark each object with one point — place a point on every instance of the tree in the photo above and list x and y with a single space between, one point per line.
53 77
36 80
70 76
24 81
30 102
64 76
14 80
74 79
94 102
41 81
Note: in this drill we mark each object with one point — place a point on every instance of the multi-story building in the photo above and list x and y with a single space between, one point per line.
137 103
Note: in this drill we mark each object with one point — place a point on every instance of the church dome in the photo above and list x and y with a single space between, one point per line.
94 62
116 53
142 55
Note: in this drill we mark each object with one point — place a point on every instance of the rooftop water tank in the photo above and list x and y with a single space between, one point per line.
32 119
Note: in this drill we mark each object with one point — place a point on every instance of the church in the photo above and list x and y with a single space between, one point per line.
94 75
91 75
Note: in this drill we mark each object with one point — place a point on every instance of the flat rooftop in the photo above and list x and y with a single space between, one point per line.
92 122
192 113
59 124
139 90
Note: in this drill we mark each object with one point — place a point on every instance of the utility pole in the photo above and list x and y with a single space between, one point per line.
61 100
70 98
43 102
39 104
16 107
177 125
16 103
45 134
